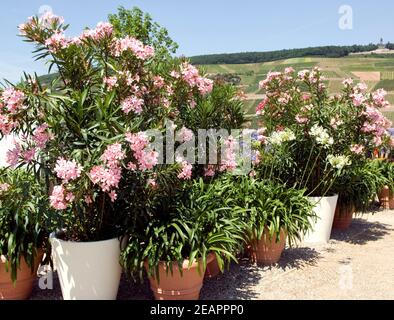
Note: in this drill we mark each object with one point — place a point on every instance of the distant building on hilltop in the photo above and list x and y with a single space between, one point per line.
381 45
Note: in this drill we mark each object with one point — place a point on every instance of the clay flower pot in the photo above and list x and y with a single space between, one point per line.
384 198
267 251
213 269
391 200
343 216
174 286
24 283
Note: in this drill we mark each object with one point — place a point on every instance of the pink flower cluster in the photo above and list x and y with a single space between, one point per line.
186 170
41 136
141 51
132 103
60 198
228 161
57 42
12 155
111 82
185 135
261 106
376 123
357 148
109 175
12 99
106 178
102 31
4 187
209 171
67 170
145 157
192 77
113 155
6 124
379 98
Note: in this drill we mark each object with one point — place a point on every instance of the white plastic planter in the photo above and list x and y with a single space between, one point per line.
321 228
87 270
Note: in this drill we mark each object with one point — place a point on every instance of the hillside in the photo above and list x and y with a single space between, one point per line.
375 71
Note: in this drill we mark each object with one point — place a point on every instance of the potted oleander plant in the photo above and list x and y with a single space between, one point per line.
183 232
23 236
85 134
303 136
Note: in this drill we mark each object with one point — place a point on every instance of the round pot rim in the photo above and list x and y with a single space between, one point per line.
53 236
185 264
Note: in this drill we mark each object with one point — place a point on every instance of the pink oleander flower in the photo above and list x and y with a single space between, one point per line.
141 51
361 87
270 77
4 187
209 171
204 85
358 99
186 171
357 148
261 106
185 135
301 119
48 19
289 70
347 82
175 74
379 98
6 124
28 155
303 74
111 82
88 199
41 136
131 166
152 183
113 195
158 82
305 97
57 42
13 99
228 161
335 122
132 104
13 155
67 170
106 178
112 155
377 140
58 199
138 141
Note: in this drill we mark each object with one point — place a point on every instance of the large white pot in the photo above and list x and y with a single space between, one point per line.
325 212
87 270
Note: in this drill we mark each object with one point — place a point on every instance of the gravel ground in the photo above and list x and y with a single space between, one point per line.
356 264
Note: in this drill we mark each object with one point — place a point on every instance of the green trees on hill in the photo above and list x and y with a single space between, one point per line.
255 57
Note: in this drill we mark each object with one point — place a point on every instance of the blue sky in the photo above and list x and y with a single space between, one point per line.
209 26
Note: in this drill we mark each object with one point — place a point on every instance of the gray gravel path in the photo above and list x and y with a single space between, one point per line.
356 264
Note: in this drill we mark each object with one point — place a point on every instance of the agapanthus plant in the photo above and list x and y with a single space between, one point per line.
84 132
309 136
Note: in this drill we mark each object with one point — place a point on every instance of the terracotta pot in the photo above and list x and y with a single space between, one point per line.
391 200
267 251
174 286
213 269
24 283
384 197
343 216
